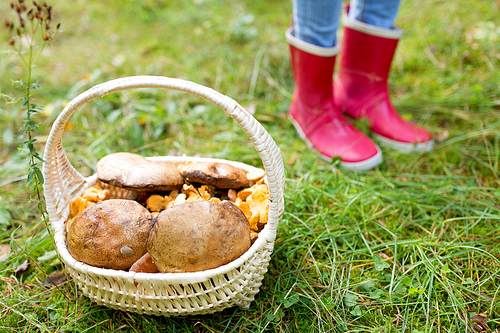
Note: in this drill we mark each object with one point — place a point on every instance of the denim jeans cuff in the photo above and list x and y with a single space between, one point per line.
310 48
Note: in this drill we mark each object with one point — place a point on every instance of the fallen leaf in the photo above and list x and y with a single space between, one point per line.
23 268
440 137
479 321
55 278
4 251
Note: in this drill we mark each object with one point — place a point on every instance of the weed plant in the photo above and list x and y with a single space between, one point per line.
412 246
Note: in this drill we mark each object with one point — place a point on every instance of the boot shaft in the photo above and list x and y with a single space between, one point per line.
367 51
312 68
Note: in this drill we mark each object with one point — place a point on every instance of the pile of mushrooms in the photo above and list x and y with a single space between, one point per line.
176 217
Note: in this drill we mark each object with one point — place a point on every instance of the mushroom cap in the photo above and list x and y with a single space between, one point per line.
220 175
110 234
144 265
134 172
197 236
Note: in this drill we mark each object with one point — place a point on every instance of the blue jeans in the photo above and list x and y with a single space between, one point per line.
316 21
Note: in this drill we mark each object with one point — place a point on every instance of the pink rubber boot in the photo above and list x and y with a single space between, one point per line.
313 114
360 90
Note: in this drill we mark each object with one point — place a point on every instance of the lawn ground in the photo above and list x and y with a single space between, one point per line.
412 246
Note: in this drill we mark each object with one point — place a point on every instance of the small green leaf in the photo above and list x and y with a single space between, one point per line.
357 311
419 291
37 156
367 286
272 318
329 302
289 301
406 280
53 315
302 285
39 175
468 281
275 318
341 327
445 269
350 299
376 294
379 264
29 180
400 289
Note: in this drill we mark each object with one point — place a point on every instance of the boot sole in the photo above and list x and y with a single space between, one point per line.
405 147
365 165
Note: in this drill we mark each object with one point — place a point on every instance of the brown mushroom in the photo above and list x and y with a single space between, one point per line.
145 264
198 236
110 234
220 175
134 172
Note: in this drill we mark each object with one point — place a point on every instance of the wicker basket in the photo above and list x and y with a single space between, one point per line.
167 294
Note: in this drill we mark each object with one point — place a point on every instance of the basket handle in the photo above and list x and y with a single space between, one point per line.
62 180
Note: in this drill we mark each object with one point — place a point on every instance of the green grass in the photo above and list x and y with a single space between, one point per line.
412 246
